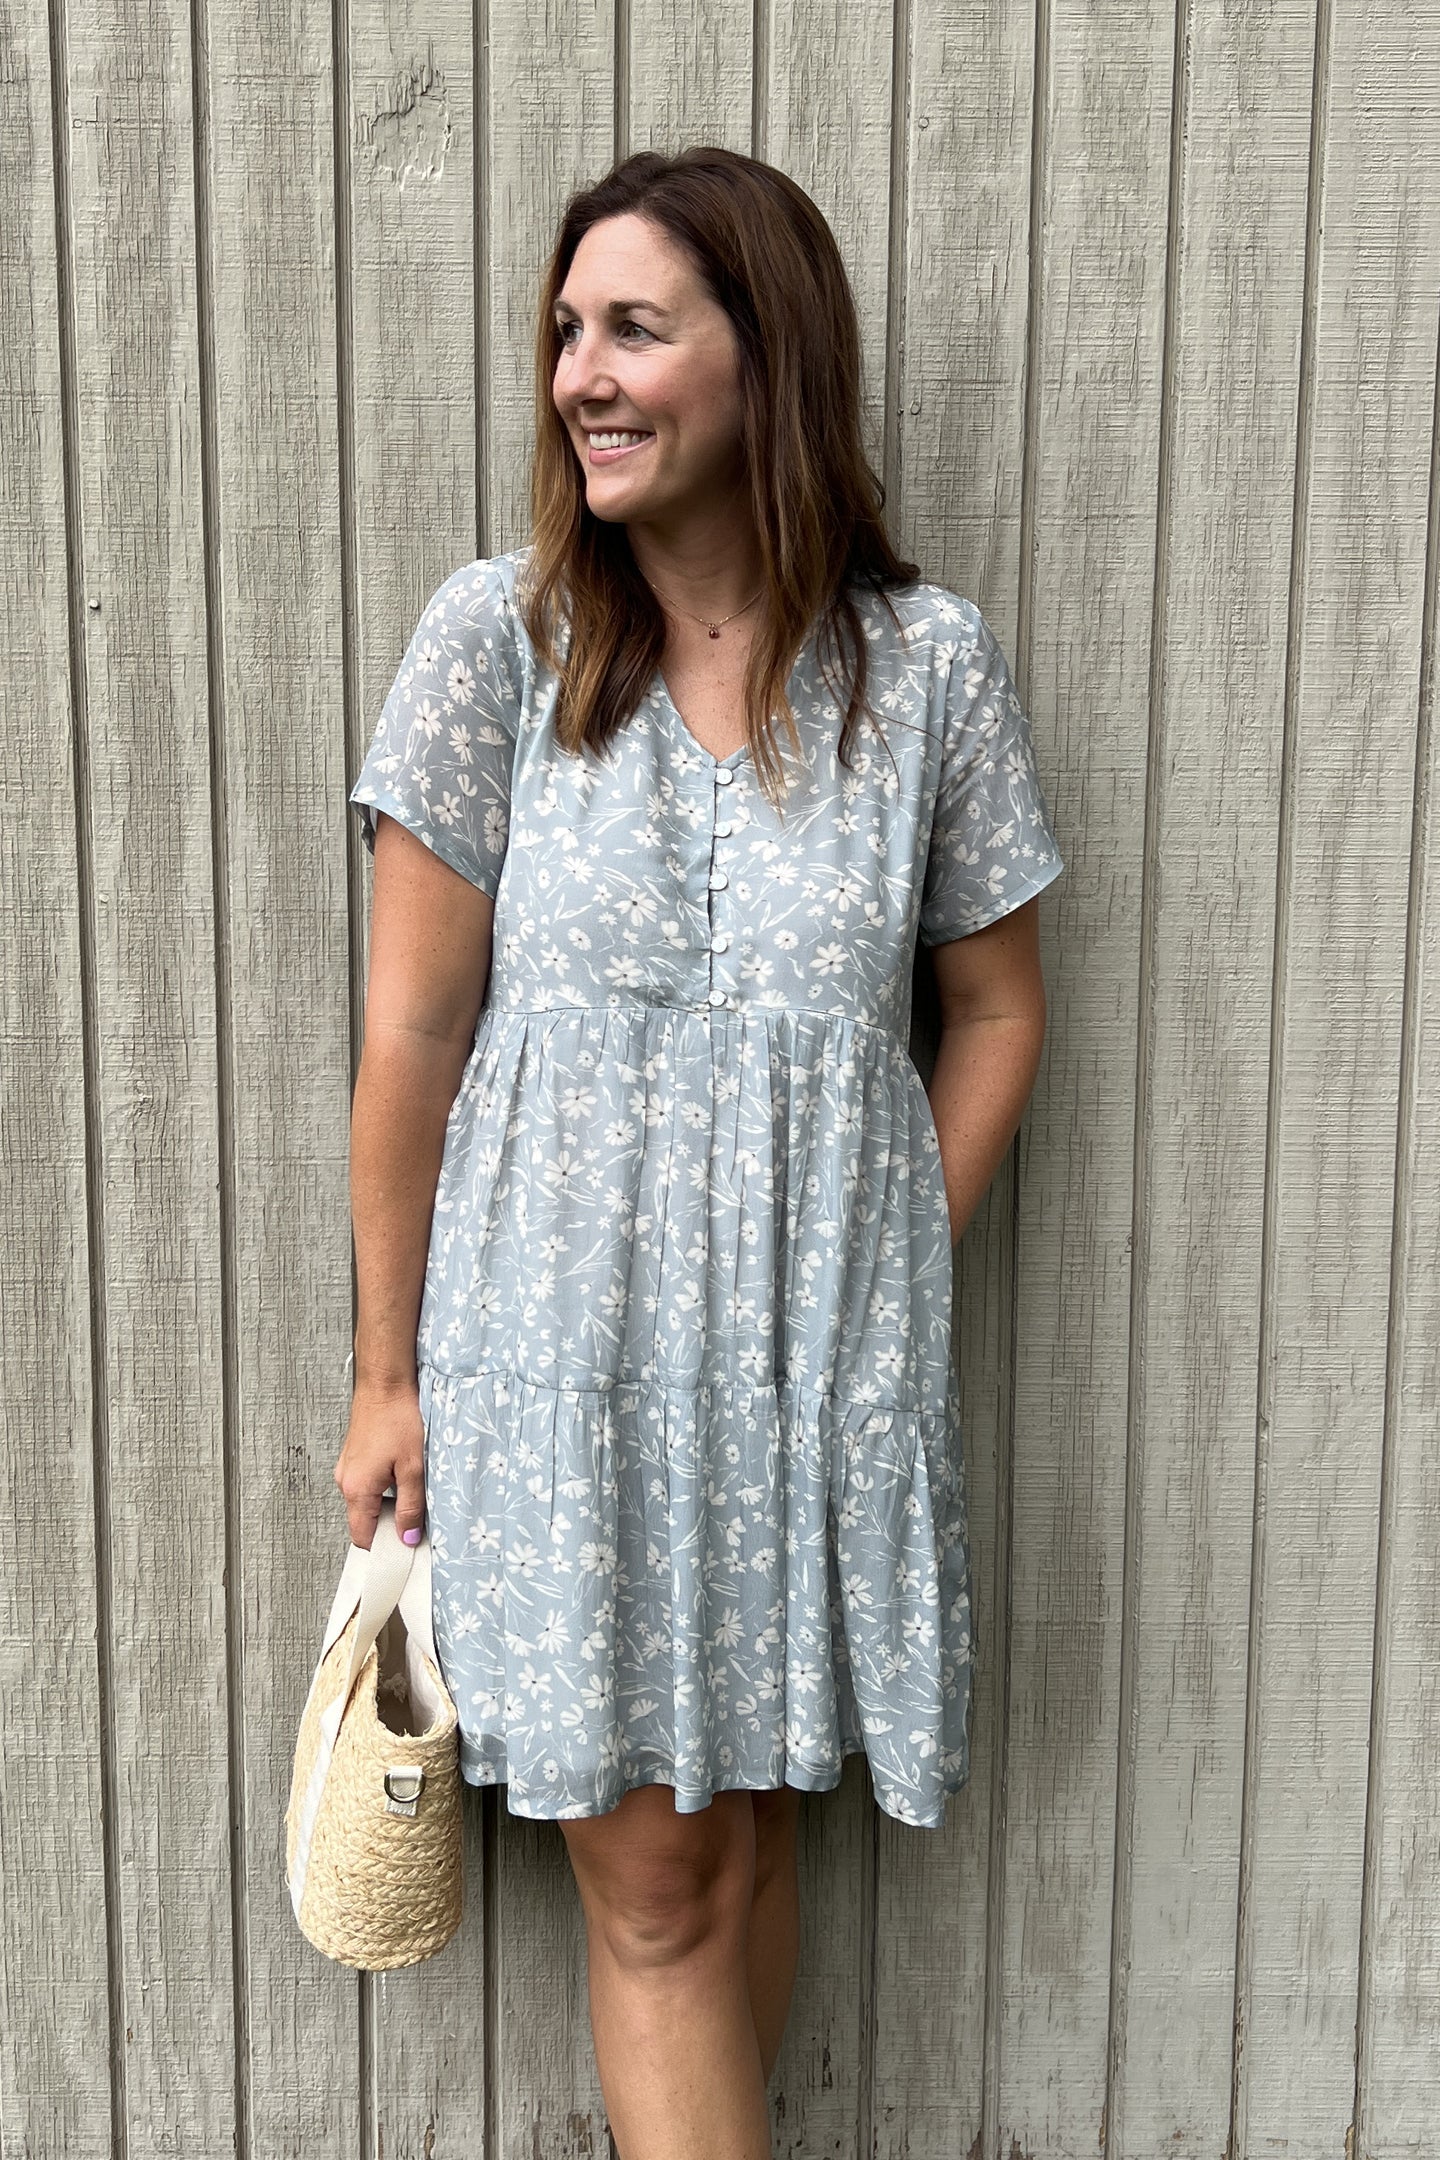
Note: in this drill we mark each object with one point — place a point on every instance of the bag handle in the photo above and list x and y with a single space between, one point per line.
387 1574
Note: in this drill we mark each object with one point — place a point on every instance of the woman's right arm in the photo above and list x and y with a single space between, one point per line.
430 942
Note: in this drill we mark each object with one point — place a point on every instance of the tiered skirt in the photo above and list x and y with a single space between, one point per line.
694 1475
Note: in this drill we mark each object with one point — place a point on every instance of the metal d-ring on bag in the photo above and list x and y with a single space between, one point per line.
373 1827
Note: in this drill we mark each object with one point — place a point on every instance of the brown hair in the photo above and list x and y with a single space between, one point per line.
767 256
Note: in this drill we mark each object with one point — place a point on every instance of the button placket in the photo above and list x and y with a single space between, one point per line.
720 938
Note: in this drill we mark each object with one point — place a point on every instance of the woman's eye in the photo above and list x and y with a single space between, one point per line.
628 324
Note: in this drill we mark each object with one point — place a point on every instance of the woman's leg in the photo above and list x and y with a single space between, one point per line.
667 1900
774 1918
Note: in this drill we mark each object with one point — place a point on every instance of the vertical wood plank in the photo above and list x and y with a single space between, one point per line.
159 1104
56 1869
1367 398
1398 2088
1103 91
958 420
282 643
408 384
1237 252
689 75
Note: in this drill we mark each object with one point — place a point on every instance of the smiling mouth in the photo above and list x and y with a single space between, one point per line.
606 456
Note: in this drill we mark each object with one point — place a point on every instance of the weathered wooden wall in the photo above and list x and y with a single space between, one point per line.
1150 309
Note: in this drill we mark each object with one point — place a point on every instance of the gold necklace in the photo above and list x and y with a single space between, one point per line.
714 628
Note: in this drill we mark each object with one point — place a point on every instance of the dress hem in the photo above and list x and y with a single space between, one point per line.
797 1777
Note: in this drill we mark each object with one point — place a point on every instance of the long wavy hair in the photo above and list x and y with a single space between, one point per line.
767 256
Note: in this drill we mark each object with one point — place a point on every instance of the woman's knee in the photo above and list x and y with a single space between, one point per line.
658 1884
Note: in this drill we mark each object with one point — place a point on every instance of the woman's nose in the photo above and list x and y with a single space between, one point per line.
586 381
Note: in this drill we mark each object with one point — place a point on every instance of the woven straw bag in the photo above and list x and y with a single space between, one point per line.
373 1827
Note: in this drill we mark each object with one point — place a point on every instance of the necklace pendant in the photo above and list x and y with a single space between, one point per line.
713 631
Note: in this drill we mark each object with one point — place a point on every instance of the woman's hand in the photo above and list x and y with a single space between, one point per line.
384 1445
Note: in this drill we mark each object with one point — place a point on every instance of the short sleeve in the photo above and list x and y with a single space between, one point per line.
992 846
442 755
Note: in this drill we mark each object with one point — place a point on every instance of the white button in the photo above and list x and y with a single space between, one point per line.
722 832
717 997
720 943
719 881
724 775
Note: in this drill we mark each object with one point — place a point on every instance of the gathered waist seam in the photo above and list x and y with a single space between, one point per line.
783 1383
496 1013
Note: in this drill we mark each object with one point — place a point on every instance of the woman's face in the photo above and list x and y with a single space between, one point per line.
645 349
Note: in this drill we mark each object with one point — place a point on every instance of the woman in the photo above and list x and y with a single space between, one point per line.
654 1241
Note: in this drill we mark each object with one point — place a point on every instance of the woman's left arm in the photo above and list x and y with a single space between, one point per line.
992 1022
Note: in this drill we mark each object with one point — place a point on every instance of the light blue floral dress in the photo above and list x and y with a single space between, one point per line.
694 1477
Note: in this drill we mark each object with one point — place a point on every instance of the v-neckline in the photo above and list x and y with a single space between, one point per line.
693 740
689 735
